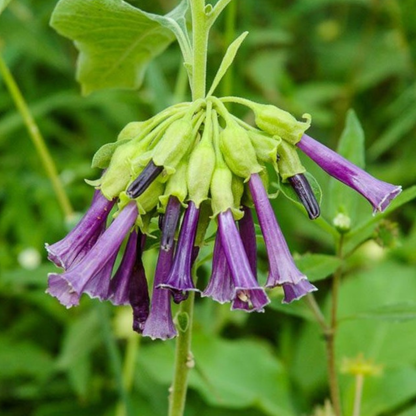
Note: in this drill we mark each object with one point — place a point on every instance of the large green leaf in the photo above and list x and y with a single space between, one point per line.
317 266
234 374
116 41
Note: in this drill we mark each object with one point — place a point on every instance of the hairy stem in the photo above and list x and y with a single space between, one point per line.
37 139
183 359
200 47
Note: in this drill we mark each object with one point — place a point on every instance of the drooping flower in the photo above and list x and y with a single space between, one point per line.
79 241
69 286
282 269
377 192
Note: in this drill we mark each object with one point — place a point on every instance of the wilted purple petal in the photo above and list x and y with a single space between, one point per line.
246 288
377 192
159 324
170 223
248 237
296 291
139 294
143 181
282 268
105 249
119 286
304 191
220 286
180 279
71 249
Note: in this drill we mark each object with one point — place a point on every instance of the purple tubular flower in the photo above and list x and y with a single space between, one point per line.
180 279
170 223
304 191
139 293
101 255
248 295
296 291
71 249
282 269
248 237
220 286
159 324
143 181
119 286
377 192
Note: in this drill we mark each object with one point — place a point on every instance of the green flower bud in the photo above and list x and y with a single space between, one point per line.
176 185
132 130
149 199
237 187
280 123
265 146
174 144
119 172
222 192
289 163
238 151
200 169
103 156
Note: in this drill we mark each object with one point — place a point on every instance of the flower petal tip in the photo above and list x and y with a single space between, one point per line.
296 291
385 202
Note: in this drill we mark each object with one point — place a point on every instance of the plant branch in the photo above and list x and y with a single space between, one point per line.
37 139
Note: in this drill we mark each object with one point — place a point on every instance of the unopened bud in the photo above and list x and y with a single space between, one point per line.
342 223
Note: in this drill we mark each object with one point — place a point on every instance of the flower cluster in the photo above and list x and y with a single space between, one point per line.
199 162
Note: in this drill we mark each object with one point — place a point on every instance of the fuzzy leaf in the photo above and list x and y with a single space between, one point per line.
116 41
317 266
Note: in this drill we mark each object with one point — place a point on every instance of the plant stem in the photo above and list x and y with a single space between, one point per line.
183 360
200 48
129 366
359 384
37 139
331 333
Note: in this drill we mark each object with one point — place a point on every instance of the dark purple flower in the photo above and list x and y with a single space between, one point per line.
170 223
304 191
119 286
143 181
282 268
248 295
69 286
180 279
298 290
377 192
220 286
71 249
139 293
159 324
248 237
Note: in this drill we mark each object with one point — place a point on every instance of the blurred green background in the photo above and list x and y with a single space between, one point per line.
323 57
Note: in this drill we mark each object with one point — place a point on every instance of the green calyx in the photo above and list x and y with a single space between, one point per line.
199 152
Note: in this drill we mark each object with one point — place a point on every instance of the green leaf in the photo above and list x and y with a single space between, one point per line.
231 374
3 4
227 61
116 41
351 145
317 266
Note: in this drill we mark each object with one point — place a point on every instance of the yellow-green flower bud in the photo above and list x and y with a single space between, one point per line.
200 169
132 130
237 187
265 146
174 144
280 123
222 192
289 163
238 152
119 173
176 185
